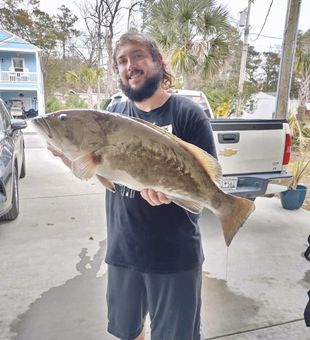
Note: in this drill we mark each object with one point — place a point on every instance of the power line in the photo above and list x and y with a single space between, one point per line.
264 21
266 36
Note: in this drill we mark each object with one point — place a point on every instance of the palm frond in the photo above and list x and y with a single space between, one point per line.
299 170
215 59
182 61
302 61
200 49
192 32
303 141
215 20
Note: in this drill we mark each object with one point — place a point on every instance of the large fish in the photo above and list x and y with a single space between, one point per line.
139 155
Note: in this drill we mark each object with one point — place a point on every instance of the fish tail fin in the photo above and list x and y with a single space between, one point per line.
232 219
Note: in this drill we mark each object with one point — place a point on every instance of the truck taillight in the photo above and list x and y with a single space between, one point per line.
287 149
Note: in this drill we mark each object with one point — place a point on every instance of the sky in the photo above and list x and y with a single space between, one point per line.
271 35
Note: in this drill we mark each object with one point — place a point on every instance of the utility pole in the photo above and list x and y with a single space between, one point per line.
98 89
244 55
99 78
287 58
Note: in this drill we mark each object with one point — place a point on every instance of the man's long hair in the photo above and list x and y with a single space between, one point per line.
139 38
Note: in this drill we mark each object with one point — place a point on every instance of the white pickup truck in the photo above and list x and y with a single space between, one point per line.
253 154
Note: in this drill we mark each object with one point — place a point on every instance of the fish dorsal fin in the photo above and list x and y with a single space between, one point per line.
208 163
155 127
84 167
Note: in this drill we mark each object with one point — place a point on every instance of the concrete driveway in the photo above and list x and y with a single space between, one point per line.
53 276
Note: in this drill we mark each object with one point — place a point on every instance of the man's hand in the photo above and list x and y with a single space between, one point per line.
154 198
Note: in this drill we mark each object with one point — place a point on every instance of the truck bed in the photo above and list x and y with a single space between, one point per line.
251 153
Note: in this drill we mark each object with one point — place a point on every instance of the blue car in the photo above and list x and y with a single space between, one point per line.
12 162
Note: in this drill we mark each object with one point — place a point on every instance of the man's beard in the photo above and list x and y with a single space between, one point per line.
147 89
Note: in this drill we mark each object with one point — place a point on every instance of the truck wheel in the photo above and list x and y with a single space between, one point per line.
14 211
23 168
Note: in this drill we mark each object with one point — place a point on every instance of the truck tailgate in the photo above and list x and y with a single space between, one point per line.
249 146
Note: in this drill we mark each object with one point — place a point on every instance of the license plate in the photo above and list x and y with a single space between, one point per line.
229 183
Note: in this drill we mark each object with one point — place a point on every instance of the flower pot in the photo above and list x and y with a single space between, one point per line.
293 198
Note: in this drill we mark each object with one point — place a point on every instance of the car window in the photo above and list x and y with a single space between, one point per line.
200 101
197 99
5 118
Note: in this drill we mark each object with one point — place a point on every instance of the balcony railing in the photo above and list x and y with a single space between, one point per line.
18 77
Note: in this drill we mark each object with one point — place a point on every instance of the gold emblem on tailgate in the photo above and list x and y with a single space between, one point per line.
228 152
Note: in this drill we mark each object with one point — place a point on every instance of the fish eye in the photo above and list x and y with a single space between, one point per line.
63 116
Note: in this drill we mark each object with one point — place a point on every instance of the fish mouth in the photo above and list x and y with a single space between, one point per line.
44 126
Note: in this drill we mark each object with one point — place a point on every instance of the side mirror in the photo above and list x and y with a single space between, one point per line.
18 124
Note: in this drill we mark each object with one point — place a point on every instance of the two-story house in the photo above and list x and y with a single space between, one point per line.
21 77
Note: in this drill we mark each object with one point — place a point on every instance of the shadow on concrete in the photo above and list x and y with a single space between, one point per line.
305 282
77 309
222 308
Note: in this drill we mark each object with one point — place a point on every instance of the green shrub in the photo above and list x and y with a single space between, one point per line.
73 101
220 102
53 104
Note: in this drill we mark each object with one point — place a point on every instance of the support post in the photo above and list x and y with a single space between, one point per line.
287 59
244 55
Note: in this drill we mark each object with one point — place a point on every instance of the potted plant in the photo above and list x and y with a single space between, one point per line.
294 197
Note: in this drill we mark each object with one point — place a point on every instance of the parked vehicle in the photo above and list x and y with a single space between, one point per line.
196 96
254 154
12 162
17 109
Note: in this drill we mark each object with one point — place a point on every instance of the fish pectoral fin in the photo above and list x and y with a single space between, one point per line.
191 206
106 183
84 167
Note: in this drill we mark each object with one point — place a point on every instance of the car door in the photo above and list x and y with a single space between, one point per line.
16 137
6 159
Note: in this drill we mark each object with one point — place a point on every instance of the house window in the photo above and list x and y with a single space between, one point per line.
18 64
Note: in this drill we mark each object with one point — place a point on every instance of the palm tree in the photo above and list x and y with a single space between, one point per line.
87 78
192 33
302 69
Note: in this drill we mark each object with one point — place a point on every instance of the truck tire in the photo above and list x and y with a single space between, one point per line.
14 211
